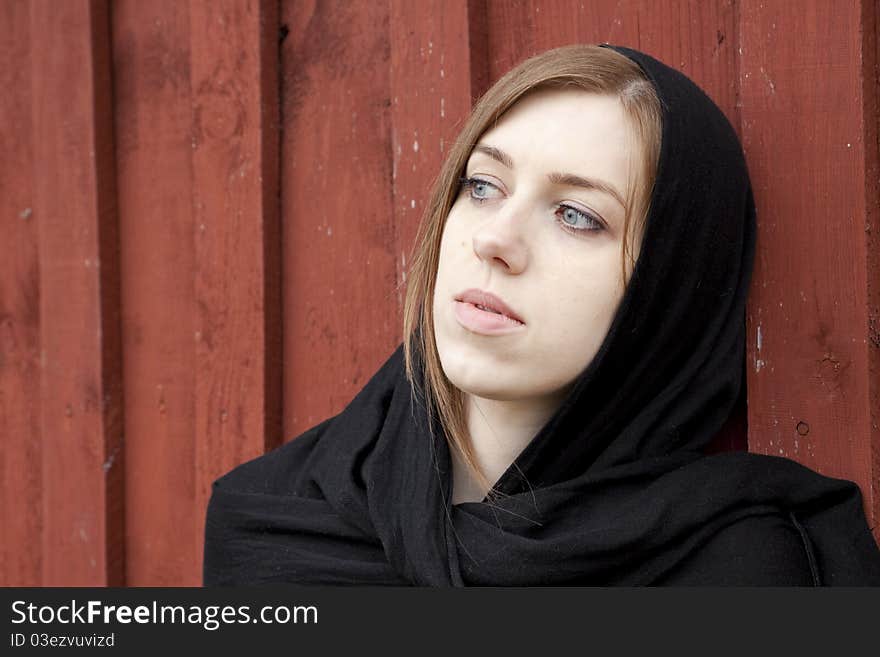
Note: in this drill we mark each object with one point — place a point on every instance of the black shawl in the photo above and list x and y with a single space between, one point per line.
616 487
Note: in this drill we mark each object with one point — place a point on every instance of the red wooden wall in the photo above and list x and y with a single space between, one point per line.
207 208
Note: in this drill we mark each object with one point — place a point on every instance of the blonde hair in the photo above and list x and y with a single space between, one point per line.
585 67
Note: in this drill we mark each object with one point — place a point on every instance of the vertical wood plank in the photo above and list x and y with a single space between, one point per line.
812 358
339 243
197 110
74 208
233 60
20 446
154 152
870 74
430 99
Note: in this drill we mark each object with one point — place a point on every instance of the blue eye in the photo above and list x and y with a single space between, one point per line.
577 220
571 219
479 190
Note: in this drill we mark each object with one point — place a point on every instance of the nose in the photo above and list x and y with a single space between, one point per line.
499 241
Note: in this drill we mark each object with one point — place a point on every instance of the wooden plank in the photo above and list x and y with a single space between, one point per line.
21 512
812 359
339 243
197 111
235 178
430 99
154 150
233 58
871 135
74 208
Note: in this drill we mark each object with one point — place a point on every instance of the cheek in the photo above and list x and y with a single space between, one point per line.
447 265
455 228
583 295
453 247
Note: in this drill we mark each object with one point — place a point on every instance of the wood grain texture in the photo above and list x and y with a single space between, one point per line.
198 168
21 510
154 152
804 116
870 75
81 379
339 242
234 169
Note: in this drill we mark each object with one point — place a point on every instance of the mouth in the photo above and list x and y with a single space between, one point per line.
484 313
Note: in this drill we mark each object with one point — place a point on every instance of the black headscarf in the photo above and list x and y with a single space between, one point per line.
615 488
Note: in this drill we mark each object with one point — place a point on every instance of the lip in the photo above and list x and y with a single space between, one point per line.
506 320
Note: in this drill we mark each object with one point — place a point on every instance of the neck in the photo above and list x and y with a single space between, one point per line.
499 430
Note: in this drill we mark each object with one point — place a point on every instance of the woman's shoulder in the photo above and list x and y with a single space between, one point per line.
277 471
283 470
763 550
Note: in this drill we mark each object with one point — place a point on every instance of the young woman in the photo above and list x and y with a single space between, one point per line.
574 338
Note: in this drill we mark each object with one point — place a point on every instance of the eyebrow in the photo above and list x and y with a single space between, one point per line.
557 178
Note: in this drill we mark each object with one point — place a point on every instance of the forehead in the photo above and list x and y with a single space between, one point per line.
567 130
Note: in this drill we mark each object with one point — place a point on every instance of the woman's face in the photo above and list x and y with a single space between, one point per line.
540 226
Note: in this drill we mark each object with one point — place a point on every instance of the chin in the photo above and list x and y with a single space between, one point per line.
475 374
